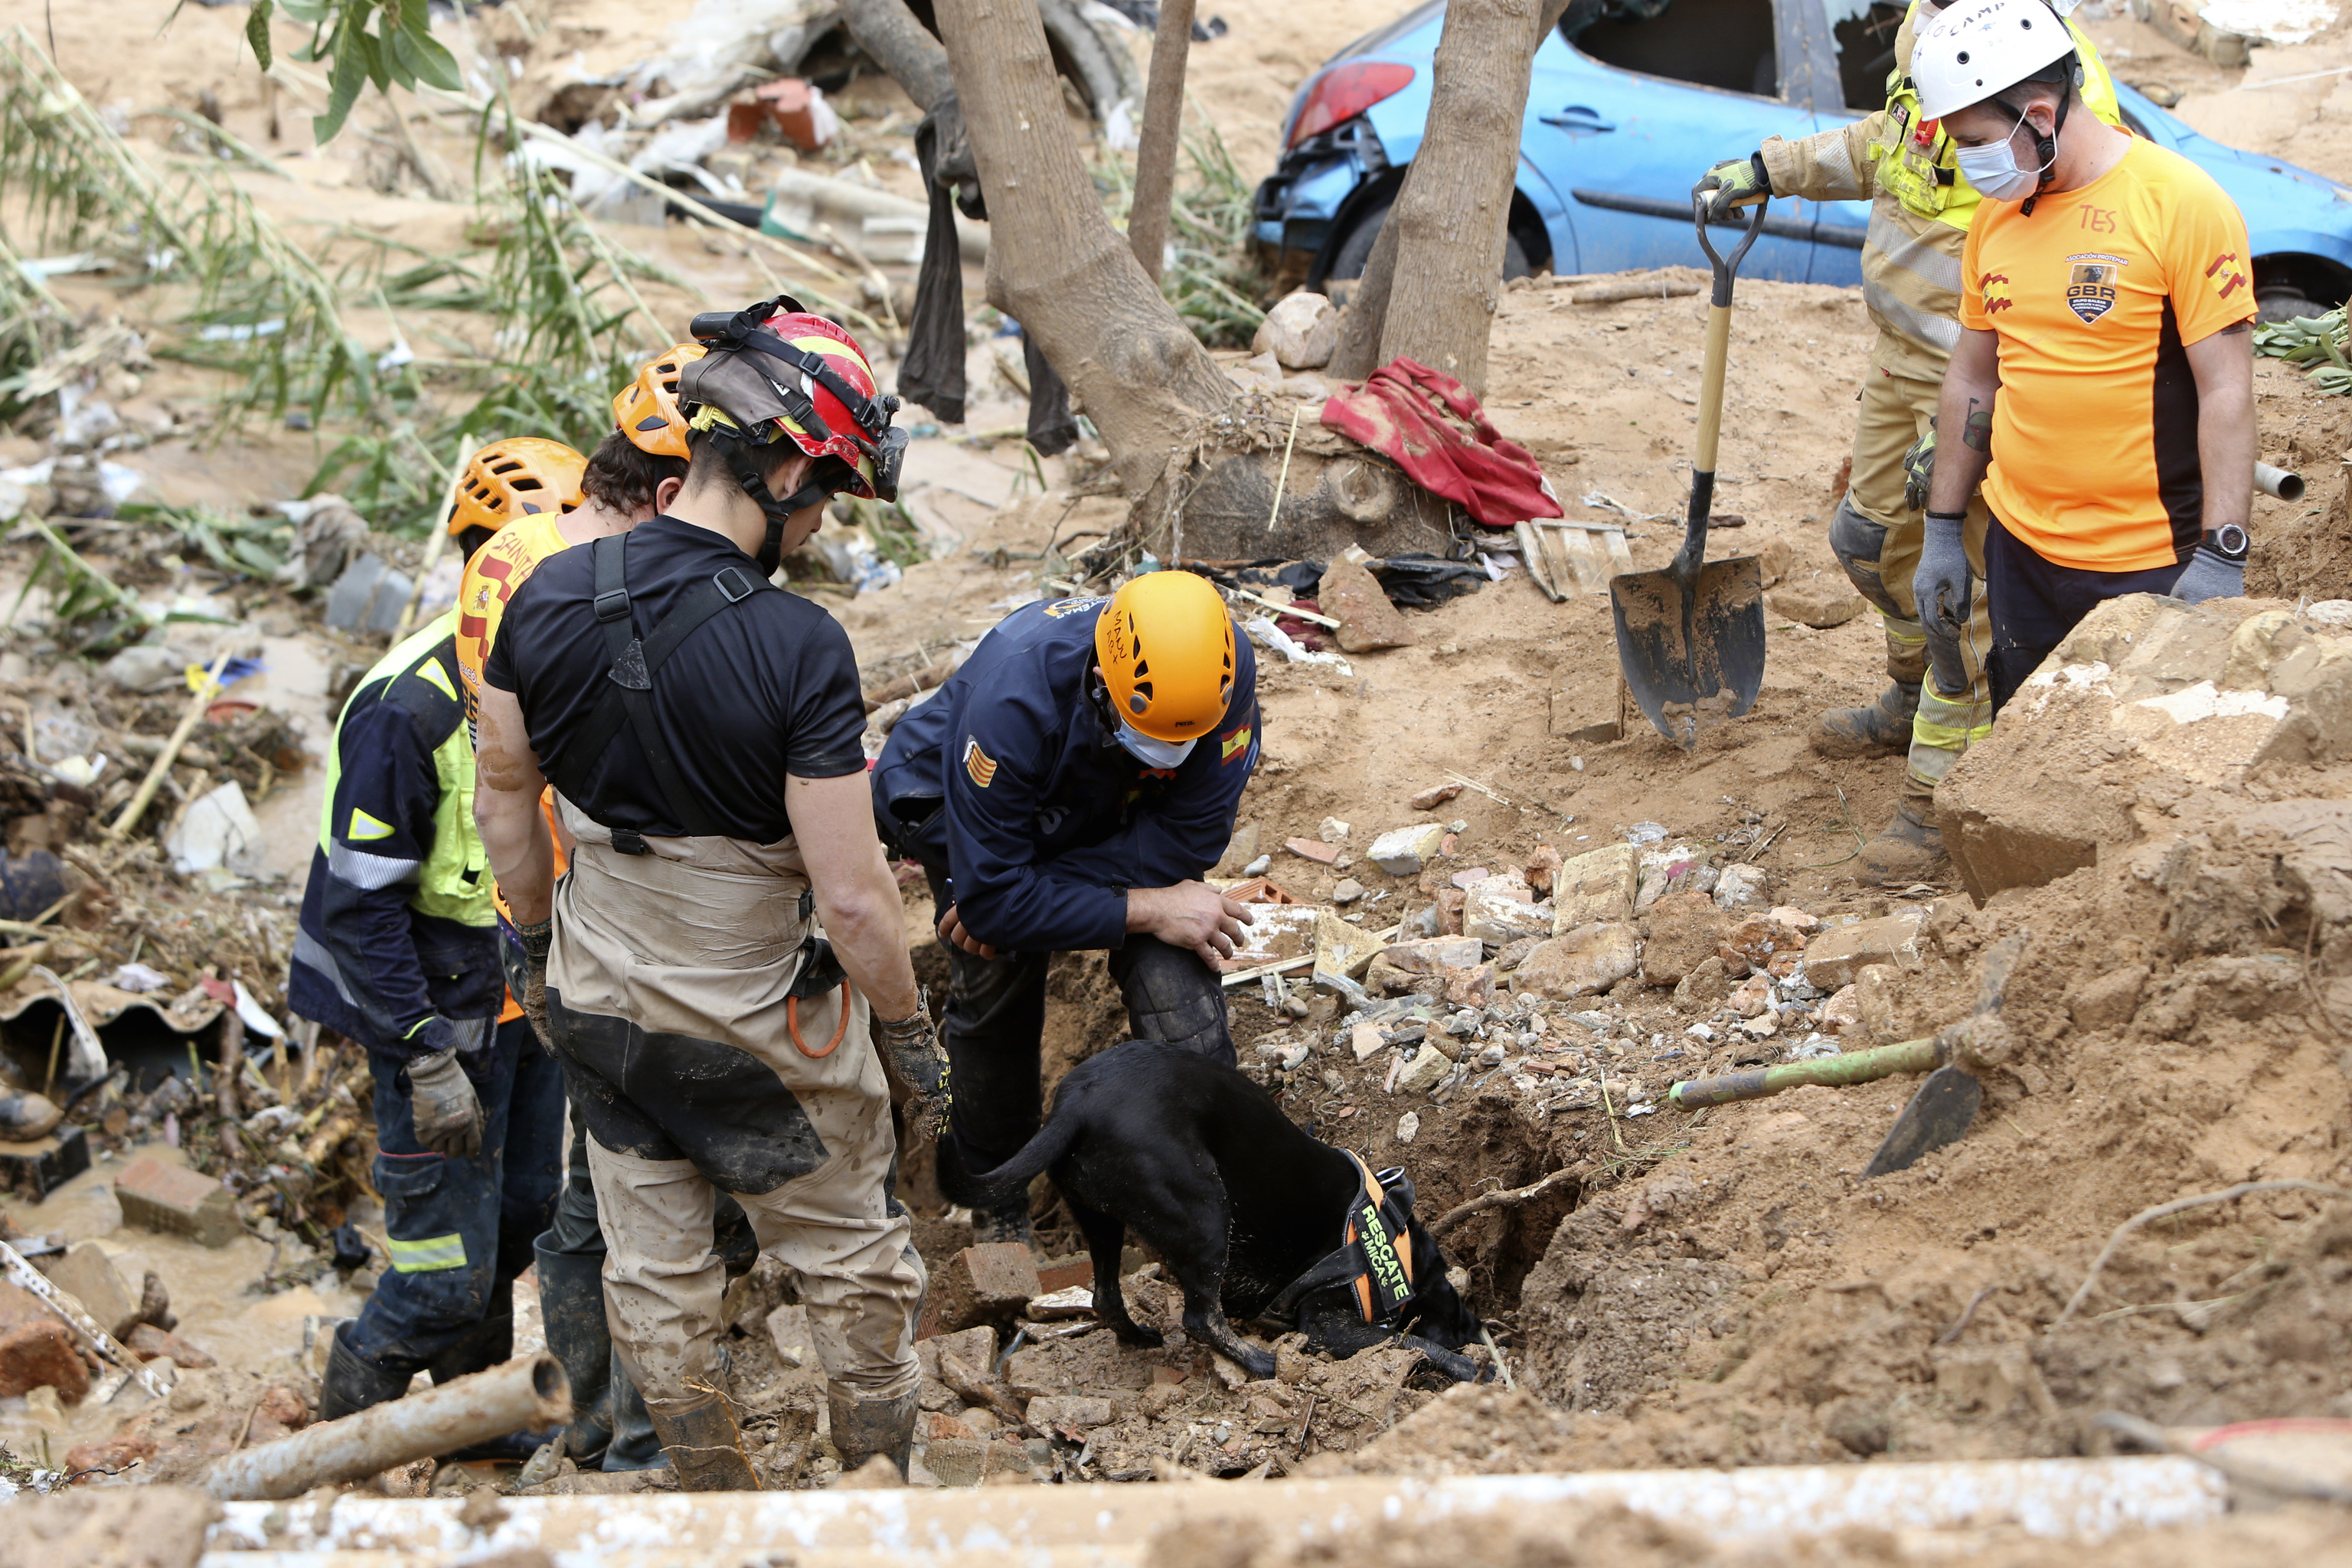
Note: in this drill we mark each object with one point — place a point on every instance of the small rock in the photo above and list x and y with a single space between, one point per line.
1365 1040
1434 797
1589 958
1761 942
1492 1056
1462 1024
1705 987
1543 866
1407 1127
1424 1072
1878 1000
1514 954
1739 887
1347 892
1838 955
1762 1026
1681 931
42 1355
1753 997
2109 1001
1502 911
1368 622
1598 886
1258 867
1819 599
1841 1016
1404 851
1795 918
1472 987
1301 331
1332 831
1069 1412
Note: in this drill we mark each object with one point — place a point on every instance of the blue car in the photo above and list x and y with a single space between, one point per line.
1632 100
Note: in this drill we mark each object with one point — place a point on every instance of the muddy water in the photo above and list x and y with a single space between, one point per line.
213 1291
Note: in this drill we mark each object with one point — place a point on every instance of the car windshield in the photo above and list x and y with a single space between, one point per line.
1729 43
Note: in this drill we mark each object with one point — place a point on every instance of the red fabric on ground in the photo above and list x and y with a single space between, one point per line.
1434 430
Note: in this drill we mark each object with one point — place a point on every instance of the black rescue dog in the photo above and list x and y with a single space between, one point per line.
1254 1216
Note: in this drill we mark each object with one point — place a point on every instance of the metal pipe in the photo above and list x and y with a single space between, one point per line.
526 1393
2283 483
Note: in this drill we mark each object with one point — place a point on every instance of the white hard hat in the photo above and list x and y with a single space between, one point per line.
1979 48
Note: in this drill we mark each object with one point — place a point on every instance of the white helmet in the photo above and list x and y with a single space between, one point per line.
1980 47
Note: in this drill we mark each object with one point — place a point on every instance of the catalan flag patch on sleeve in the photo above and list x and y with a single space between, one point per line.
1233 743
979 763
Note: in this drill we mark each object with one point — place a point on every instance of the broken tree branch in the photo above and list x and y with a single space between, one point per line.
207 690
887 30
2179 1205
1487 1201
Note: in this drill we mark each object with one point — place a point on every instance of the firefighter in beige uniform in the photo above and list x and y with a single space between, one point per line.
702 730
1920 210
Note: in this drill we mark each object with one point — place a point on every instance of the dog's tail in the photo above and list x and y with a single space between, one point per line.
1006 1182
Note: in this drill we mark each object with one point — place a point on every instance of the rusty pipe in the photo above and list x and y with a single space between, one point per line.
529 1393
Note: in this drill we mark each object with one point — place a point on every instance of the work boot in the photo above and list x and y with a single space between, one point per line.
636 1445
571 1306
1009 1222
1910 850
705 1447
1882 728
865 1428
352 1384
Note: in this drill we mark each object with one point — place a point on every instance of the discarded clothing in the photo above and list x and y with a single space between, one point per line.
1431 426
932 373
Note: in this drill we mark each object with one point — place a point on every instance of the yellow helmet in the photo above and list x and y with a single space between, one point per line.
1166 648
646 409
517 478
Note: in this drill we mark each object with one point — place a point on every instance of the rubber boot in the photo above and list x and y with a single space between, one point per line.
352 1384
1910 850
571 1306
1882 728
1009 1222
865 1428
636 1445
488 1343
705 1447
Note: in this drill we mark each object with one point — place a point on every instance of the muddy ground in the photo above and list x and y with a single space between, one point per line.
1702 1291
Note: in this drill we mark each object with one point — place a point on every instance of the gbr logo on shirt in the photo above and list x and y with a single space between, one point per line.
2091 284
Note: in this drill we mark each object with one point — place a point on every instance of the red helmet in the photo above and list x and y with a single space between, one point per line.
812 385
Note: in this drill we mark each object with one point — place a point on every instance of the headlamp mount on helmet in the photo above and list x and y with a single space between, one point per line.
754 376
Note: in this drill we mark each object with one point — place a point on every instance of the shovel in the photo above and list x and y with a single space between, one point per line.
1946 1104
1690 637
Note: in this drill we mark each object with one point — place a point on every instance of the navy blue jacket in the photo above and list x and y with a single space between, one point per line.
1011 776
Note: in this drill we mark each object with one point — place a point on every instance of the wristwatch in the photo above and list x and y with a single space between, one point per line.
2229 541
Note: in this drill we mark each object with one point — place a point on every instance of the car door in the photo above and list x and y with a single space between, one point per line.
1623 123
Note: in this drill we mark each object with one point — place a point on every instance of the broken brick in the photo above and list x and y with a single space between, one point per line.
1757 942
985 1284
1473 987
1312 849
1434 797
153 1343
1061 1273
1838 956
42 1355
1068 1412
176 1199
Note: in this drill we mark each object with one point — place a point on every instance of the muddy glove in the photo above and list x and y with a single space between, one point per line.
536 941
1945 591
911 1046
441 1102
2211 573
1732 184
1919 470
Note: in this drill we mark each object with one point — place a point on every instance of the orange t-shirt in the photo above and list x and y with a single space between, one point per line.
497 570
2095 298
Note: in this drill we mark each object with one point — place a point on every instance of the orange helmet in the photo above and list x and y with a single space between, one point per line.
646 409
1166 648
519 476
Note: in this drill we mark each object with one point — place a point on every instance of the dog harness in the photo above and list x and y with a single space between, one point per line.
1374 1257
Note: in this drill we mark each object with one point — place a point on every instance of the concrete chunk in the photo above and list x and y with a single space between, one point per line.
988 1284
1590 959
1069 1412
89 1275
1424 1072
1502 910
1404 851
176 1199
1839 954
1598 886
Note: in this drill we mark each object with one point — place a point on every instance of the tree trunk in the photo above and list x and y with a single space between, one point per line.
1055 263
1163 128
1430 287
887 30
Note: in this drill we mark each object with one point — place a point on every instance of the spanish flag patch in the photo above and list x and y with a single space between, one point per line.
1234 741
979 763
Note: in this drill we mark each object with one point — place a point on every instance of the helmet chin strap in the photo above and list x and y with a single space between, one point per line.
777 512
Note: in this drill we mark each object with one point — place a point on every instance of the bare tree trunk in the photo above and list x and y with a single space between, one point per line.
887 30
1163 126
1430 287
1055 263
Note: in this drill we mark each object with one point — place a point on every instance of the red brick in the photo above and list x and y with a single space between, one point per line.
176 1199
1473 987
152 1342
1312 849
42 1355
1061 1273
940 1429
112 1453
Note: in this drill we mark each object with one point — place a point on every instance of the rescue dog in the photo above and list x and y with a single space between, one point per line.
1252 1216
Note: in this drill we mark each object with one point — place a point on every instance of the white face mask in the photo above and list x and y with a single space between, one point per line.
1149 752
1994 169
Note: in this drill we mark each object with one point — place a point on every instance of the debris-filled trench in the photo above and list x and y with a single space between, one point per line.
1500 916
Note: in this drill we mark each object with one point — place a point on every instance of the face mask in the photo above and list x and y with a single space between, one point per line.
1151 752
1994 171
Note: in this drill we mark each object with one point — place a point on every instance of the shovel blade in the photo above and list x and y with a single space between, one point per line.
1939 1113
1692 655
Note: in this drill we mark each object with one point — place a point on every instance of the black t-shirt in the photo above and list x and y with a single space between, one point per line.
764 689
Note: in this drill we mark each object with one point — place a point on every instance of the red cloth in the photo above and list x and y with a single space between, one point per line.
1434 430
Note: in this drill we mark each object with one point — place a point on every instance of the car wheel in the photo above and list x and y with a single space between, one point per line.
1355 251
2282 303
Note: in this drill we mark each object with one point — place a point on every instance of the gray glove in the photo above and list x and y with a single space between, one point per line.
441 1102
1732 184
911 1046
2210 574
1945 591
1919 470
536 941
